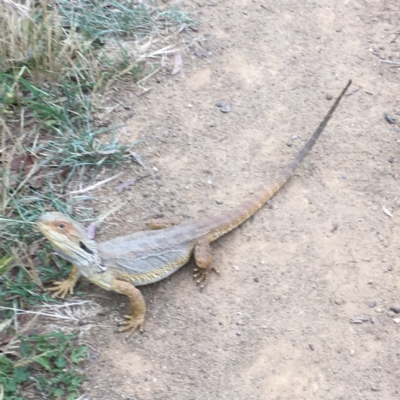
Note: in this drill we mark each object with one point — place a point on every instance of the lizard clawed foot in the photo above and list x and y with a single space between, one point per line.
131 323
201 276
61 289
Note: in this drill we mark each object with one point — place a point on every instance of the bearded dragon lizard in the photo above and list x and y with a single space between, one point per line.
123 263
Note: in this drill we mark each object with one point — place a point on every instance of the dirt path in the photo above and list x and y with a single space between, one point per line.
276 323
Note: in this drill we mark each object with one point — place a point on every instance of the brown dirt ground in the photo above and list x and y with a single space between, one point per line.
276 323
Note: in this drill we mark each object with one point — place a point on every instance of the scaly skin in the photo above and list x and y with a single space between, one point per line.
145 257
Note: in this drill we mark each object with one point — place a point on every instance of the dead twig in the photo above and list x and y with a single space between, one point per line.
96 185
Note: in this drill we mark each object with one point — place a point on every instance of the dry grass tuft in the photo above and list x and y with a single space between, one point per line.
33 35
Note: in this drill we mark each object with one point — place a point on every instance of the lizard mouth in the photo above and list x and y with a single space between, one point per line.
85 248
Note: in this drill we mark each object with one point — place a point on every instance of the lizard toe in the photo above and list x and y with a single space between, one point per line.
130 324
60 289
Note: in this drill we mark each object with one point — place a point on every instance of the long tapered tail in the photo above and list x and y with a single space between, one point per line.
248 208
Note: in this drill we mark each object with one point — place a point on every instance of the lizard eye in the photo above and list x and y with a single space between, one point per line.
61 226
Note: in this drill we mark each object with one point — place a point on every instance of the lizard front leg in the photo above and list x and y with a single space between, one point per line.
203 259
136 319
63 287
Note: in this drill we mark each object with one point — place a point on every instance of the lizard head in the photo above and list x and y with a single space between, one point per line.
68 238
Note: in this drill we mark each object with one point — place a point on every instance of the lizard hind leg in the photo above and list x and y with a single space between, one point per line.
203 259
136 318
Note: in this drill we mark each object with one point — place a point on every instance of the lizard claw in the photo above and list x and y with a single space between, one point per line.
131 323
62 288
201 276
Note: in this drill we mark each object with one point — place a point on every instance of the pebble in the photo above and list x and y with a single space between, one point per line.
390 314
343 176
393 160
289 144
225 108
218 201
238 334
329 97
339 30
219 104
256 280
352 352
372 304
339 302
396 320
395 309
389 119
378 310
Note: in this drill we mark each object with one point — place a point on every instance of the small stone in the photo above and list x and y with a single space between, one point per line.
256 279
219 104
329 97
393 160
390 314
294 137
395 309
378 310
374 388
339 30
339 302
226 108
389 119
289 144
352 352
218 201
311 347
343 176
190 106
238 334
209 182
372 304
396 320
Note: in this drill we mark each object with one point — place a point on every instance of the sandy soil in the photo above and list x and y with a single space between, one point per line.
277 323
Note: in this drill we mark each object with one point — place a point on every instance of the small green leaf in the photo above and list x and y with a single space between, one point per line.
60 362
78 354
23 349
44 362
58 392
